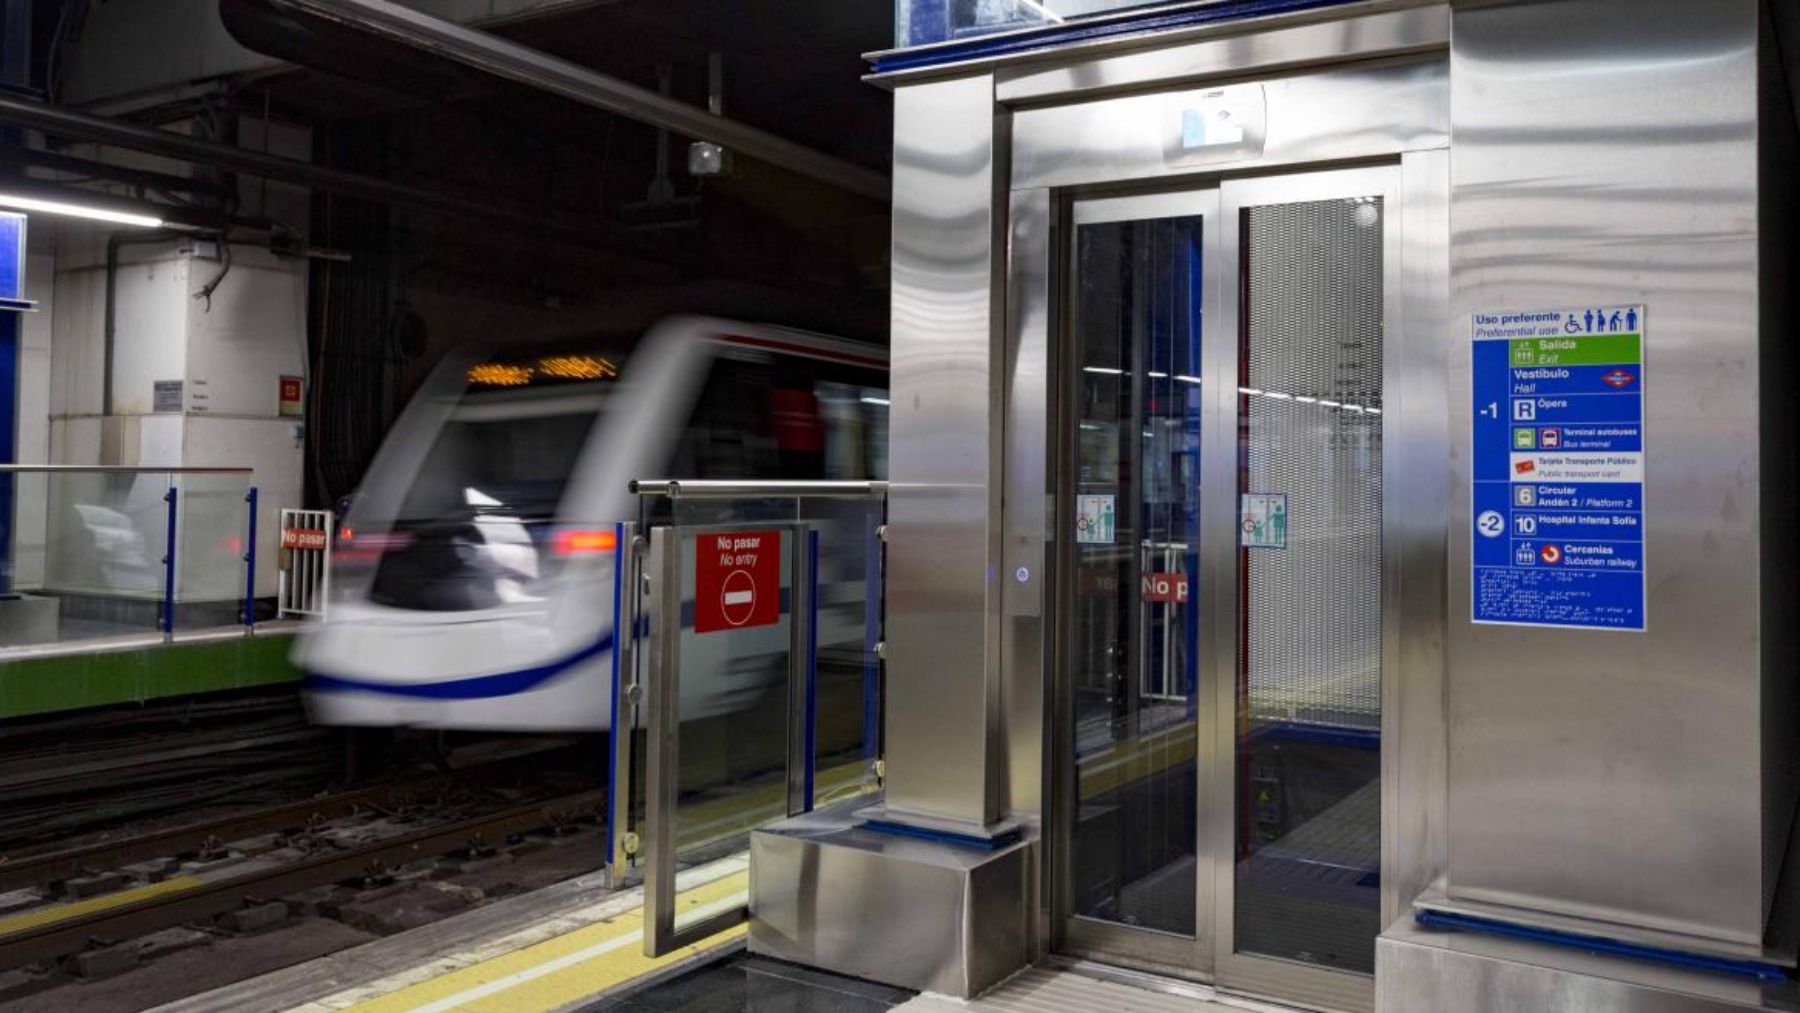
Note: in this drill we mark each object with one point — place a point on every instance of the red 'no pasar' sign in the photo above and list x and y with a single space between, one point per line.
737 580
1168 588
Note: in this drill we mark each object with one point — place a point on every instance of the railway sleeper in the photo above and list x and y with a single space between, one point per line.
255 917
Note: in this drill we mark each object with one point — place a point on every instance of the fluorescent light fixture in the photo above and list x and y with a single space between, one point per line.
1184 378
1278 395
1103 370
1154 375
1038 6
1303 399
56 207
1249 390
874 400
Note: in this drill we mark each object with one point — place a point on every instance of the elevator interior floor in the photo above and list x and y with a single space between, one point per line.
747 984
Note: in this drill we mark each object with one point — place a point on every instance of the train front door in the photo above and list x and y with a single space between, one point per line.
1217 358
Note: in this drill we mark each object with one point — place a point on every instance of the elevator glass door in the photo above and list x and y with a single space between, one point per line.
1222 579
1132 486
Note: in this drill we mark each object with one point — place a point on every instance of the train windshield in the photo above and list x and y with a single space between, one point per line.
474 529
499 464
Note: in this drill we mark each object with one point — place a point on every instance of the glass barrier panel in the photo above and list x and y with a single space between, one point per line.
28 616
736 655
762 701
24 566
626 766
212 523
845 671
922 22
90 555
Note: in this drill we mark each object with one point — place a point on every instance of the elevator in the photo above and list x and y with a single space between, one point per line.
1337 545
1222 324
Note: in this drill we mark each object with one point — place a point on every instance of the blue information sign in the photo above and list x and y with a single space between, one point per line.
12 259
1558 452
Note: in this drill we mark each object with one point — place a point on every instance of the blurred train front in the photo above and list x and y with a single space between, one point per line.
473 582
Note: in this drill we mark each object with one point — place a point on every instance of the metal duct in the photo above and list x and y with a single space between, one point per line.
514 62
63 122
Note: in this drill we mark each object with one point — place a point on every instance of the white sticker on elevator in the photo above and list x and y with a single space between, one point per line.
1264 520
1094 519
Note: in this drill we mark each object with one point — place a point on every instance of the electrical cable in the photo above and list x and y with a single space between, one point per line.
206 291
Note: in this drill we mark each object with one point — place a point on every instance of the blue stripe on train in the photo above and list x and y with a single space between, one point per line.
485 687
481 687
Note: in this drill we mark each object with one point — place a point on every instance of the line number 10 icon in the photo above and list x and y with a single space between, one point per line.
1490 524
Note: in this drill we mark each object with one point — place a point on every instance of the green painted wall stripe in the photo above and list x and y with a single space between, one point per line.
70 682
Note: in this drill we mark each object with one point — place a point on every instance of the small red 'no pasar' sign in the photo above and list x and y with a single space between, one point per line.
1168 588
737 580
303 538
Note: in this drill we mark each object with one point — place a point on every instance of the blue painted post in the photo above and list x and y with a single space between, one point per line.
167 621
12 304
618 724
250 566
9 454
15 75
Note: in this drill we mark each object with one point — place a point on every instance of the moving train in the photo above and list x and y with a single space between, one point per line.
473 576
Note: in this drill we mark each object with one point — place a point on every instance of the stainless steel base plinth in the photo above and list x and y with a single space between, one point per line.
1421 970
28 620
920 914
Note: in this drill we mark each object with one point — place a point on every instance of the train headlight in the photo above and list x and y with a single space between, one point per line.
581 542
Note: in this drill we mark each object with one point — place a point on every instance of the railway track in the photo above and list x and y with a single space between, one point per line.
51 937
56 866
66 776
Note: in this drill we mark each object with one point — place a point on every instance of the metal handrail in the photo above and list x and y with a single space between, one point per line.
119 469
714 488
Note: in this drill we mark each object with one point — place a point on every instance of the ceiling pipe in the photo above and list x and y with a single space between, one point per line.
60 121
142 179
525 65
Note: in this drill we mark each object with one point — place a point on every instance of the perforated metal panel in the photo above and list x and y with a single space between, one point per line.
1311 379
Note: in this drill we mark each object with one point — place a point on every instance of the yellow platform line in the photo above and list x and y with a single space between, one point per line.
716 819
557 972
1137 759
62 912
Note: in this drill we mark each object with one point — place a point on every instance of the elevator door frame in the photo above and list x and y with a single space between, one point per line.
1212 954
1090 937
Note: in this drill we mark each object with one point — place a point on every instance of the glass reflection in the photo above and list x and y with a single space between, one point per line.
1308 786
1136 397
